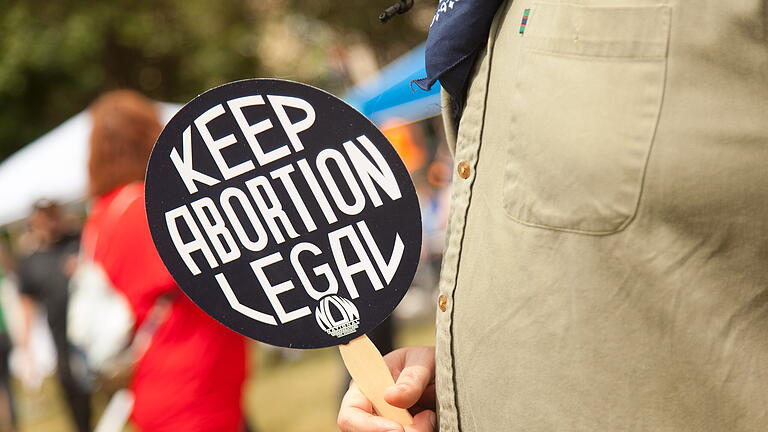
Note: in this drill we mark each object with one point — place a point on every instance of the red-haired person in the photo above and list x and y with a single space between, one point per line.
191 376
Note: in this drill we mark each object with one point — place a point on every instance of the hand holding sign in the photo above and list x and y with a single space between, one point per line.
414 371
287 216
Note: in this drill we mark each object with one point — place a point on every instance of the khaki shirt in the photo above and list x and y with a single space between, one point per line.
607 255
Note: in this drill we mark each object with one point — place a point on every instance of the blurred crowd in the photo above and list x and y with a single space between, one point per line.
66 258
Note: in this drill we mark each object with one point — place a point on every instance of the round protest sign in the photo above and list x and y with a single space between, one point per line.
283 213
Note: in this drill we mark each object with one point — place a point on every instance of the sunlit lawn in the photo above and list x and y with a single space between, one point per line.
298 394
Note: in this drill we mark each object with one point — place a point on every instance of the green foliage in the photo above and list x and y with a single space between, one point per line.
55 57
361 17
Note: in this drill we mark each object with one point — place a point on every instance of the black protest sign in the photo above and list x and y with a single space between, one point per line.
283 213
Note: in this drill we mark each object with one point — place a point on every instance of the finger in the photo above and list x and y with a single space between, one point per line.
425 421
355 415
354 398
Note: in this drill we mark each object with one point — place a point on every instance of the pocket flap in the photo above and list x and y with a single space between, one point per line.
599 31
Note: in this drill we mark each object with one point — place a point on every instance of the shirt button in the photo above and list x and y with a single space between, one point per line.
463 170
442 302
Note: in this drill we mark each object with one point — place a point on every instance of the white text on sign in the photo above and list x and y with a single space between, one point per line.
251 216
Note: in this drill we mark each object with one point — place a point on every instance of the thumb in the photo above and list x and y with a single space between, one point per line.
417 374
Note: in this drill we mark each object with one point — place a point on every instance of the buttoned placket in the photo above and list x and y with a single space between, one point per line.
467 148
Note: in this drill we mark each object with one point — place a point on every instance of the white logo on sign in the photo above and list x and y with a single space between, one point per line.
337 316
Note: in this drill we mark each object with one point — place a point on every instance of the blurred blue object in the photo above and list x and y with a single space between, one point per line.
390 96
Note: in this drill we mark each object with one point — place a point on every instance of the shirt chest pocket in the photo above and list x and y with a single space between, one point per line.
586 102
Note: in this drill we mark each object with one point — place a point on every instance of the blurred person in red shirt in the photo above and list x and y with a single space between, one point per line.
191 376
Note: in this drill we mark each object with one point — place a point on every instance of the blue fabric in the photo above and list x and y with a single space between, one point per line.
458 32
390 97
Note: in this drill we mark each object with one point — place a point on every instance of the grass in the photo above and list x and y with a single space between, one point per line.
300 393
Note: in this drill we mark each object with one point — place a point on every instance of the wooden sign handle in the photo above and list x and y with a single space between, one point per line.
366 366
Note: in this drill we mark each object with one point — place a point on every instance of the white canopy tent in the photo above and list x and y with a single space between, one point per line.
54 166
